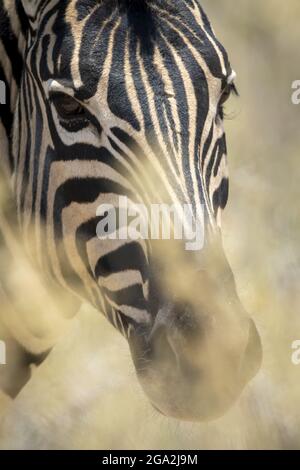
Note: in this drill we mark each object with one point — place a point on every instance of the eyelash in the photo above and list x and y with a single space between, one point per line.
77 122
229 90
70 123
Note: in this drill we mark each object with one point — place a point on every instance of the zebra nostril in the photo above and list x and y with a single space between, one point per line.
161 350
175 332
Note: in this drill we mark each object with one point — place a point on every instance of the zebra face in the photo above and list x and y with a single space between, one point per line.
128 101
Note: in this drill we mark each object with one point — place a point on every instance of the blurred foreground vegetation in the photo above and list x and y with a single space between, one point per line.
87 395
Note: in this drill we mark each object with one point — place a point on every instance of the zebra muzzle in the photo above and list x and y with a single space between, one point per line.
197 358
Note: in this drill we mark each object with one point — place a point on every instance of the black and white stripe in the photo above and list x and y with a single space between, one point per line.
150 78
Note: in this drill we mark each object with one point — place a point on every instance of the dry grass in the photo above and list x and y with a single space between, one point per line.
86 395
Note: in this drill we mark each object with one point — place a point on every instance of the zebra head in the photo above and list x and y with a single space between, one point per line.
125 98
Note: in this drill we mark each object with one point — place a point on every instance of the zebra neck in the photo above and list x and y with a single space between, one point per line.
13 24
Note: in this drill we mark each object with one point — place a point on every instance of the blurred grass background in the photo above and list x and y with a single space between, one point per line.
86 395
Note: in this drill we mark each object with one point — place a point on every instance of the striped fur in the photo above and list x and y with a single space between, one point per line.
151 77
118 97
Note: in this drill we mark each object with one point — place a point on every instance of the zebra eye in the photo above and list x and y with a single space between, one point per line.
228 90
67 107
72 115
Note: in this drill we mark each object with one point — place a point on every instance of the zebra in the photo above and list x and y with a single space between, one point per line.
126 97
